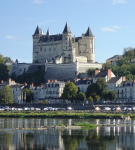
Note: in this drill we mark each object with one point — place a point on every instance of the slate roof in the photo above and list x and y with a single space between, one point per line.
57 84
116 57
17 86
38 31
126 83
9 61
82 82
113 79
89 33
46 38
66 29
100 74
48 32
76 39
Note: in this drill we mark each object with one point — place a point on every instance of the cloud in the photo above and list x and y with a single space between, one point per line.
44 22
117 27
37 1
10 37
108 29
119 2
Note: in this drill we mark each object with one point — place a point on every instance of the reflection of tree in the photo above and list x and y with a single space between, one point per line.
29 137
6 139
71 142
99 142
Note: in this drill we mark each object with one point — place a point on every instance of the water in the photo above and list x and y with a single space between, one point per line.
101 138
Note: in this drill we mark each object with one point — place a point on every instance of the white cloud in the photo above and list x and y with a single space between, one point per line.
108 29
119 2
37 1
44 22
10 37
117 27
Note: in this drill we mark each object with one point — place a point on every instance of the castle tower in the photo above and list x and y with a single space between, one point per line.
48 32
67 44
38 33
90 45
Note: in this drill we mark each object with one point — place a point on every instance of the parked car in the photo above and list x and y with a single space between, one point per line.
133 108
52 109
32 108
97 108
69 108
118 108
49 108
124 109
113 109
26 108
1 109
45 109
129 109
37 109
13 108
107 108
6 108
19 109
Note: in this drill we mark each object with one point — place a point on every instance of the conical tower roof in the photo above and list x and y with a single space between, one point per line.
38 31
89 33
66 29
48 32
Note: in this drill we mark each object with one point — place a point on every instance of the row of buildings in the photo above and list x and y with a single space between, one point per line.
53 89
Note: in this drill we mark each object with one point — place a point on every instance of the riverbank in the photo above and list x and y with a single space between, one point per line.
59 114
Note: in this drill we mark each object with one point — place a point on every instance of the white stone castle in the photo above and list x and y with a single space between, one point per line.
61 56
62 48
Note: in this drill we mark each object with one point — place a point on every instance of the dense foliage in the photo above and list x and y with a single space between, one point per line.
29 95
37 77
6 95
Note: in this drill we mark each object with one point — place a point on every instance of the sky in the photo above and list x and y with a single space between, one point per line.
112 22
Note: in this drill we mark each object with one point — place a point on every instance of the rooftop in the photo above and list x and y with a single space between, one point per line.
116 57
113 79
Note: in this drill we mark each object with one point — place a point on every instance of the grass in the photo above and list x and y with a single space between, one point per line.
85 125
59 114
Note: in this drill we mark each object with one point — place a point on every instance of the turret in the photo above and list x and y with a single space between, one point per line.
48 32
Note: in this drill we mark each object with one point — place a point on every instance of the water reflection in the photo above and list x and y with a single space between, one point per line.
107 137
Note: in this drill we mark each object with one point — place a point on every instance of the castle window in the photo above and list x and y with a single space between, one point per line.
45 50
54 49
66 47
49 49
40 48
65 38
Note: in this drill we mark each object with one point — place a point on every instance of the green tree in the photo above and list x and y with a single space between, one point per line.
91 71
4 72
70 91
6 59
90 99
97 97
92 90
2 60
29 95
112 95
6 95
101 84
105 95
81 96
106 66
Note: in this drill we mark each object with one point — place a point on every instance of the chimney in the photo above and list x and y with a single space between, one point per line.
25 84
32 85
123 78
2 81
17 84
97 71
55 80
48 81
109 73
9 81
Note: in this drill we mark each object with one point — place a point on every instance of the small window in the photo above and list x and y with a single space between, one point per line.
49 49
40 48
54 49
66 47
45 49
65 38
66 42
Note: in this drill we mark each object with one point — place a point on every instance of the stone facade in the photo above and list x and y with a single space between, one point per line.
62 48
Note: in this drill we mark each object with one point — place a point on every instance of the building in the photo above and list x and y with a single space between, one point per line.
9 63
114 59
61 56
107 75
83 84
16 88
62 48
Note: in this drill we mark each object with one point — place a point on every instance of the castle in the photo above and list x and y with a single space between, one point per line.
61 56
62 48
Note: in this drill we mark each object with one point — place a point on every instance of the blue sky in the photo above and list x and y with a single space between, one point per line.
112 23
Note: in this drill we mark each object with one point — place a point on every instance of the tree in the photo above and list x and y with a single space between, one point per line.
105 95
97 97
106 66
92 90
112 95
70 91
91 71
6 95
101 84
4 72
81 96
90 99
29 95
2 60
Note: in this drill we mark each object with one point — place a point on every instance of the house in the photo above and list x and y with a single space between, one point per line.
83 84
107 75
113 60
9 63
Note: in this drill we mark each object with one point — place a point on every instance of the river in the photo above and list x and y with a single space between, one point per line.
101 138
